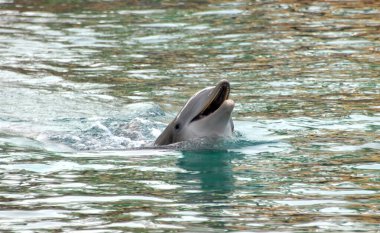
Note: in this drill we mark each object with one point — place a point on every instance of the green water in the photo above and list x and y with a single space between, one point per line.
85 85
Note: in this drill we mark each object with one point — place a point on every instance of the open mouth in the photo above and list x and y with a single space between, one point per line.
216 101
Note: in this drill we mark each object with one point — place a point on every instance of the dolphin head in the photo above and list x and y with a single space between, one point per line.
206 114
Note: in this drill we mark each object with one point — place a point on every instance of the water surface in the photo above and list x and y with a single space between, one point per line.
85 85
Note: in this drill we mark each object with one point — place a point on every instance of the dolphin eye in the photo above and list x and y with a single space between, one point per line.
177 126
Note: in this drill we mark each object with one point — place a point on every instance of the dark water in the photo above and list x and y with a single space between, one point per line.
85 82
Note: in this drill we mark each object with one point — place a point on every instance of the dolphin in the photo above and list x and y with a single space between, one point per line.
206 114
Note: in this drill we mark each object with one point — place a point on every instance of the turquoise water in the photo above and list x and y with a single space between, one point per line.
86 87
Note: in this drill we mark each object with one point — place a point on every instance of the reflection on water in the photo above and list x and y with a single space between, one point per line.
84 82
214 176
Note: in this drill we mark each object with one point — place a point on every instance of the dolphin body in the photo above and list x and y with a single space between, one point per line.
206 114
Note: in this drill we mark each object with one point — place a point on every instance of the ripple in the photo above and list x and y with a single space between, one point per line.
374 146
90 199
184 219
21 215
160 185
164 25
141 214
337 210
222 12
141 12
334 192
330 225
55 167
372 166
144 225
310 202
155 39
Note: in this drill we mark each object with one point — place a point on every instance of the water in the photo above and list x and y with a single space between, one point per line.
86 85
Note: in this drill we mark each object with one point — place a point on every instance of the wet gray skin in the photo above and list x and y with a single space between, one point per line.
206 114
